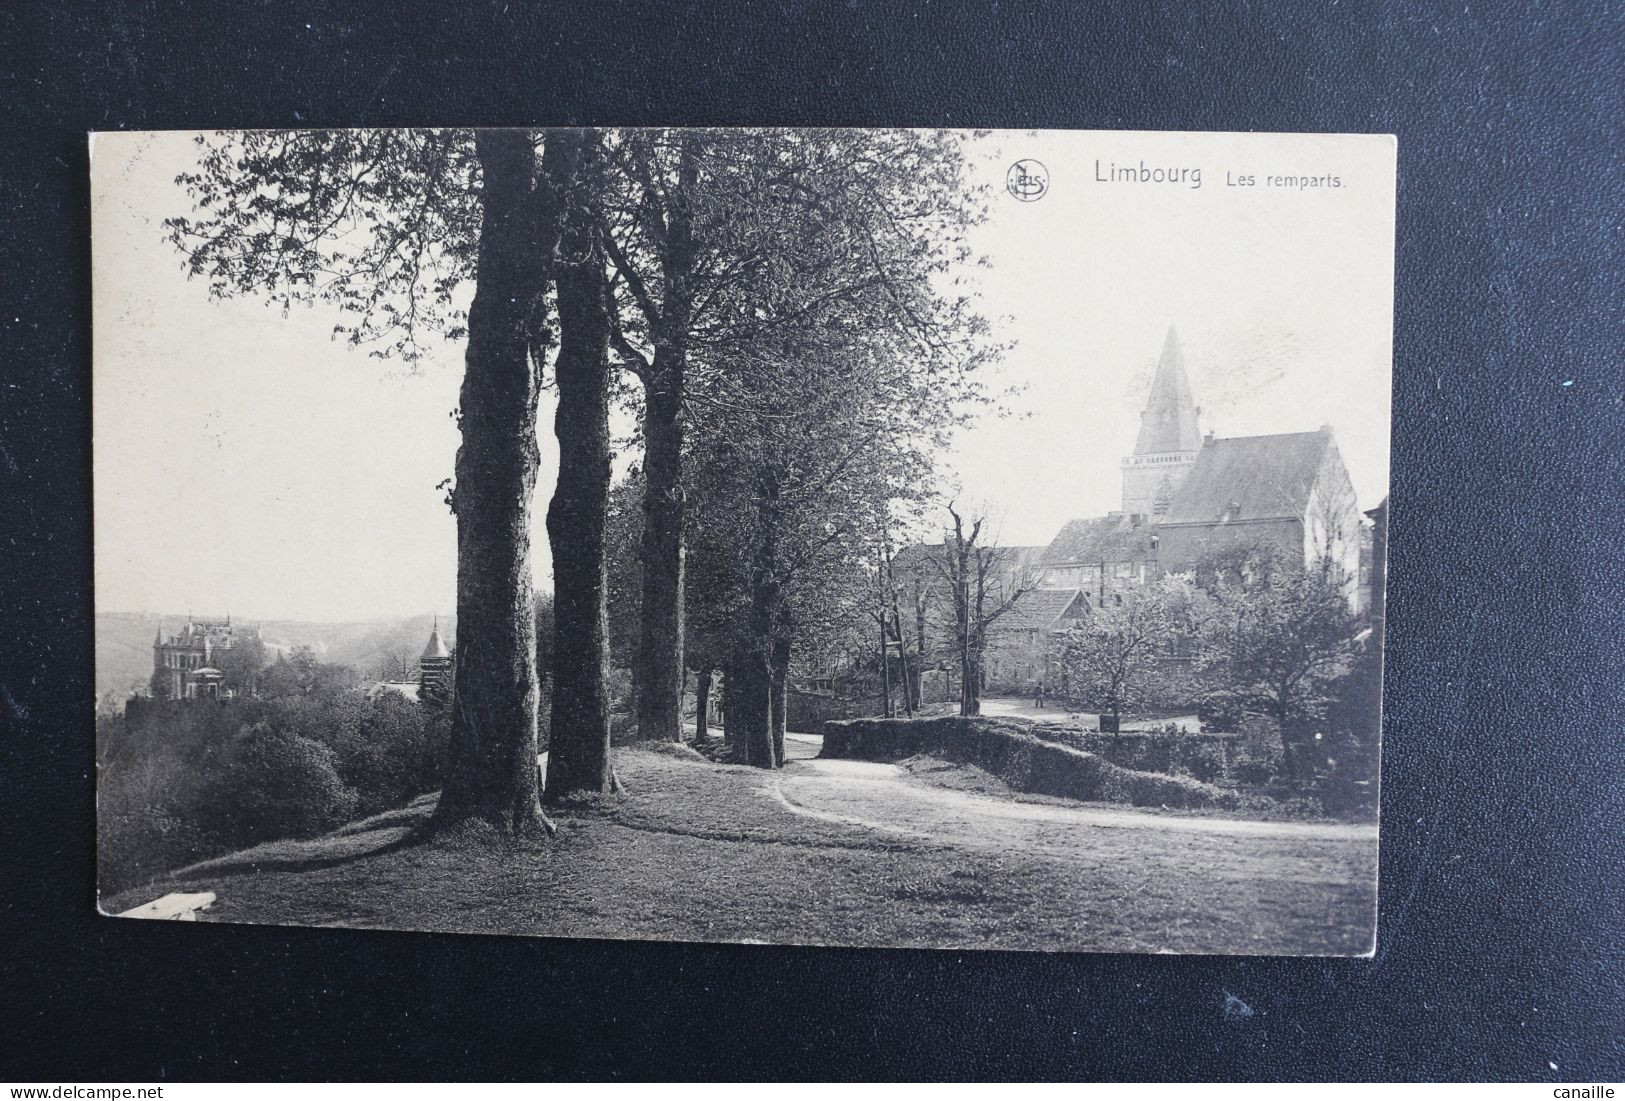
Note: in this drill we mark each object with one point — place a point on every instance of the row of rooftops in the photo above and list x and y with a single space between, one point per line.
1237 479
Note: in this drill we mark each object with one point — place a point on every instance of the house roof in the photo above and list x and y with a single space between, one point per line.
1260 477
405 689
1099 539
1037 609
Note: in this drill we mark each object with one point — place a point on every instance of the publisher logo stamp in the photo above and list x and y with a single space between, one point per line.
1027 180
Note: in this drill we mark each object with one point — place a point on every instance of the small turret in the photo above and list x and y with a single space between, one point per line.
435 649
435 674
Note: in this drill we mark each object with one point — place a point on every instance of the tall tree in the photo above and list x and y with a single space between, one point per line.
578 756
661 173
491 773
983 583
389 226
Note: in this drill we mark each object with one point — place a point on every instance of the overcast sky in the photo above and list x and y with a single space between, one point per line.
246 463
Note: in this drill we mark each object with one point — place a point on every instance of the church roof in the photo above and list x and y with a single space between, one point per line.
1098 539
1037 609
1259 477
1169 422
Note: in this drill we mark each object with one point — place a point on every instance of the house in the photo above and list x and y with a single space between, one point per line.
1017 655
1101 556
185 666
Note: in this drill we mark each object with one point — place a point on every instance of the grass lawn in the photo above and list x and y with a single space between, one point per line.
818 855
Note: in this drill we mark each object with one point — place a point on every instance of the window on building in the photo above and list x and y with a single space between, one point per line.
1124 569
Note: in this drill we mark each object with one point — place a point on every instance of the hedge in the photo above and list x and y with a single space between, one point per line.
1018 758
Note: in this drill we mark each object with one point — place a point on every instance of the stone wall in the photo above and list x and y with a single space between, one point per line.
808 712
1018 758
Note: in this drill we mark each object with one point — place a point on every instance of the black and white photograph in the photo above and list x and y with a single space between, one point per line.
937 539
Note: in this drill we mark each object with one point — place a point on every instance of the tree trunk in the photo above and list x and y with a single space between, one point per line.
730 726
578 758
919 650
889 597
750 709
1289 753
660 640
903 674
777 699
660 649
491 771
702 706
885 671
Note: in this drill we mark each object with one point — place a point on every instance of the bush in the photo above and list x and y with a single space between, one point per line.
1220 713
137 844
276 784
1169 750
1258 752
182 781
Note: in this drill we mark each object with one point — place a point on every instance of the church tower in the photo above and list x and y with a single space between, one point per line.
1168 442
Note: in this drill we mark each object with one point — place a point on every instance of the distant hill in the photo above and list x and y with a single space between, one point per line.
124 643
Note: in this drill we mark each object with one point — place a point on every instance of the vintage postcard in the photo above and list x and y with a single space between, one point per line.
917 538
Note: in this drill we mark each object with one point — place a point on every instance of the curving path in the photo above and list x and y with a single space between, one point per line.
886 798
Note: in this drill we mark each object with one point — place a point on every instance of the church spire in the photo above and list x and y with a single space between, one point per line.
1169 422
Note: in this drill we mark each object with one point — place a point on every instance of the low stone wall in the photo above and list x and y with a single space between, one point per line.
1018 758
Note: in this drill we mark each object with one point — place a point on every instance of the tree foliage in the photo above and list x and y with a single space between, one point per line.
769 276
1274 636
1115 659
382 224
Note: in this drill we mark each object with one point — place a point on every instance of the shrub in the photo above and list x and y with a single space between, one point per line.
1170 750
135 844
276 784
183 781
1258 752
1220 713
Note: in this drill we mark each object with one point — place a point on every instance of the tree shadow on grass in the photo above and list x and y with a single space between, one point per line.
379 835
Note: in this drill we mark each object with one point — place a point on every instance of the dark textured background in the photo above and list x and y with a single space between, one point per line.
1502 810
